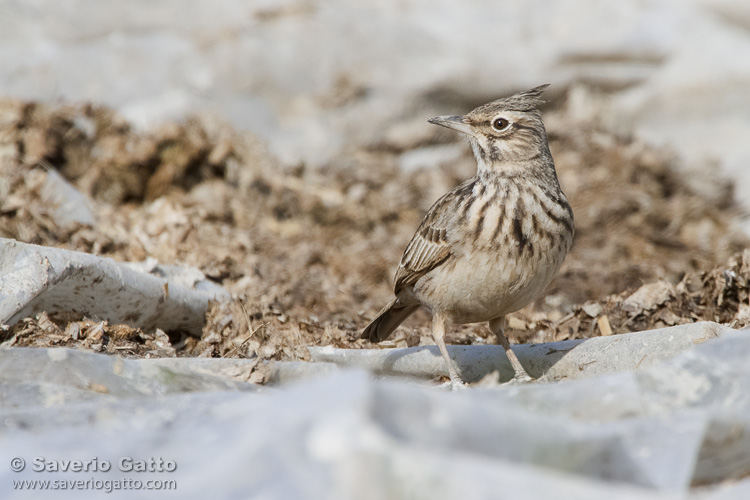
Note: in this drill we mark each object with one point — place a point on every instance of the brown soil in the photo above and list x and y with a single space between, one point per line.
309 255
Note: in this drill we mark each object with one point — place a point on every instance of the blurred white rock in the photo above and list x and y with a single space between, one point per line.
656 433
431 156
68 206
36 278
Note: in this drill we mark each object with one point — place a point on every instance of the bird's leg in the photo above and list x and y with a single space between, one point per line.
497 326
438 333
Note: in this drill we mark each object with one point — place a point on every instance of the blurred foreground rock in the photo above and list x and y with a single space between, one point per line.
675 430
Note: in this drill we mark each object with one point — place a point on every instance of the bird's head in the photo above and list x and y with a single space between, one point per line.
505 130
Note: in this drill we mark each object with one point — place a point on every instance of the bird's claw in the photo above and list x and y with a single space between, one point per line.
454 385
519 379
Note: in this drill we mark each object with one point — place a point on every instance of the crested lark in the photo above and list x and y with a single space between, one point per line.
492 244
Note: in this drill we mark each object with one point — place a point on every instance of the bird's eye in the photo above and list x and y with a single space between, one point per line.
500 124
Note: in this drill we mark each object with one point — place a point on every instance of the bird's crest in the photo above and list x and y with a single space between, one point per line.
527 100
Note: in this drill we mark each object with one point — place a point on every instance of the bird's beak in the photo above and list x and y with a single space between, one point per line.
454 122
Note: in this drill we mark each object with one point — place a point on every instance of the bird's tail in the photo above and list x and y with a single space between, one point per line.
388 320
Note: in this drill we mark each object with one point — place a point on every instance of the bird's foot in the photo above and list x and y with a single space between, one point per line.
519 379
458 385
454 385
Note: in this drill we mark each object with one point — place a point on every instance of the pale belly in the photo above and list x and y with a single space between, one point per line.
486 286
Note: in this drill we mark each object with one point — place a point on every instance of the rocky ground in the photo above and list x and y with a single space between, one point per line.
309 254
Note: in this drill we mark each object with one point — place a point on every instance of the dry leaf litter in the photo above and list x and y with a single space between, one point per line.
309 254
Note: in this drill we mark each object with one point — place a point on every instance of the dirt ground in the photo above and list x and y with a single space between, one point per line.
309 255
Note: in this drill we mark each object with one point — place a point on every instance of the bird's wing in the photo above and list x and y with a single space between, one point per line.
431 245
427 249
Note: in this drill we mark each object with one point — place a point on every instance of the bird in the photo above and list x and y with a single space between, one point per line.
492 244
